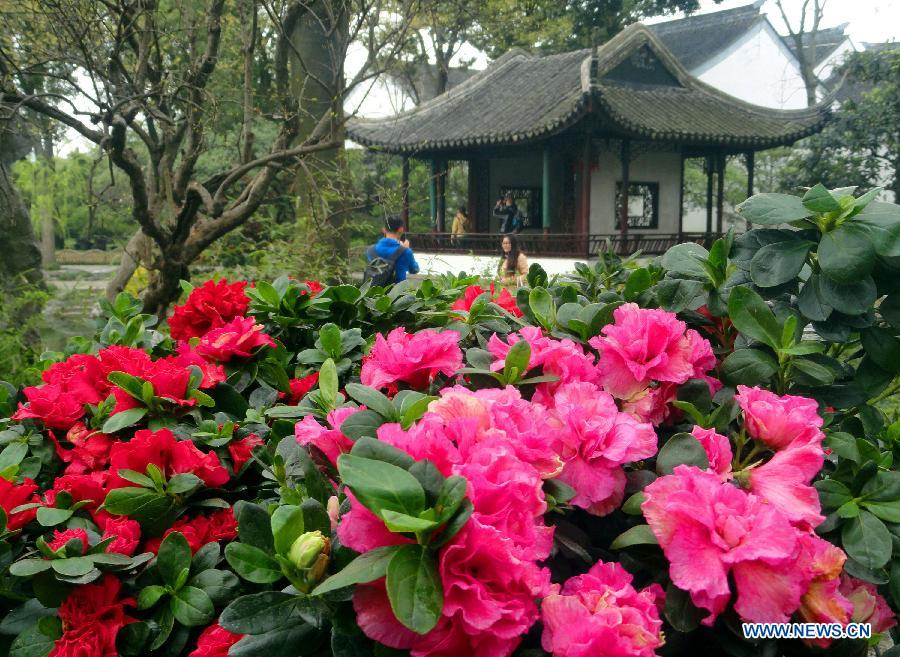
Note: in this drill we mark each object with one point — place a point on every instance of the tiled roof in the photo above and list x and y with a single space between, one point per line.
522 98
696 39
827 41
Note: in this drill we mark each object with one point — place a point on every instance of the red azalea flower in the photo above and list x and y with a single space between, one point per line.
504 299
238 338
60 538
52 405
91 618
171 456
13 495
200 530
126 533
209 306
299 388
240 450
81 376
314 287
213 374
215 642
81 487
90 451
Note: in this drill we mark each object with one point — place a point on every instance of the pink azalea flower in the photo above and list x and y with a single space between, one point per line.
784 480
239 338
823 602
362 530
331 441
411 358
779 421
596 441
718 450
644 345
600 613
563 358
507 495
868 605
487 587
708 528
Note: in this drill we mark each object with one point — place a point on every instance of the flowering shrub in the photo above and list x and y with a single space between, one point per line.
627 461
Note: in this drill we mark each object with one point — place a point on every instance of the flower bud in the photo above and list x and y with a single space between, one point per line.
307 548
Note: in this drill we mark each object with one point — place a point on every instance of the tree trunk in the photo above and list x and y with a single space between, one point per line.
21 256
134 253
43 192
317 81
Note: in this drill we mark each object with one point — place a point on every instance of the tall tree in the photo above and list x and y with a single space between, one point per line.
804 37
861 144
157 76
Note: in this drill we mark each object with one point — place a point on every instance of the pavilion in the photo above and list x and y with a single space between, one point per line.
590 143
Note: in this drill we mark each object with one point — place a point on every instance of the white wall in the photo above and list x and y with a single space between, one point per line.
758 68
663 167
431 264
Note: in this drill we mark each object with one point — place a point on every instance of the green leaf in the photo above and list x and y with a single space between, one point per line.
365 568
285 641
819 199
400 522
638 281
883 487
680 610
887 511
150 595
846 253
372 448
773 209
753 317
192 607
50 517
258 613
254 525
749 367
883 347
252 564
73 566
854 298
123 419
287 526
378 485
174 556
184 483
414 588
632 505
29 567
372 399
517 360
867 540
678 294
38 640
139 503
638 535
681 449
452 493
328 383
844 445
542 307
882 222
778 263
685 259
360 424
220 585
12 454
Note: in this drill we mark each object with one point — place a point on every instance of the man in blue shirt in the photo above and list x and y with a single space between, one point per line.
393 239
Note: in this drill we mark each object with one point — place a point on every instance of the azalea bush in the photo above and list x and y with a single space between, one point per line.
630 460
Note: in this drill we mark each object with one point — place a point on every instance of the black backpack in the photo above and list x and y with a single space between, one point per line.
382 271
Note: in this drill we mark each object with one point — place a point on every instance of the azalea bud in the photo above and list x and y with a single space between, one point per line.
307 548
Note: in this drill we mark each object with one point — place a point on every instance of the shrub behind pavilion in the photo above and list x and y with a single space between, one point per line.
450 470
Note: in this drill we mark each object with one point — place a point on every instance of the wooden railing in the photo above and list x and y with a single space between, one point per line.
563 245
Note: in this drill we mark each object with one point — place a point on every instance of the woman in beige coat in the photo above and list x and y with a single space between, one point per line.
513 266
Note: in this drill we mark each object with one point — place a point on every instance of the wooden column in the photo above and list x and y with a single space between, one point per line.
751 165
584 210
442 198
404 193
432 193
708 165
625 156
545 192
472 199
720 191
681 200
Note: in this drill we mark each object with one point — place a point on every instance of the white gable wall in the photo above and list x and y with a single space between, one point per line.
835 59
757 68
663 167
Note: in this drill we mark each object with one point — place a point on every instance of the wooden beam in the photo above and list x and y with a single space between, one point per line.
472 198
720 191
404 193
